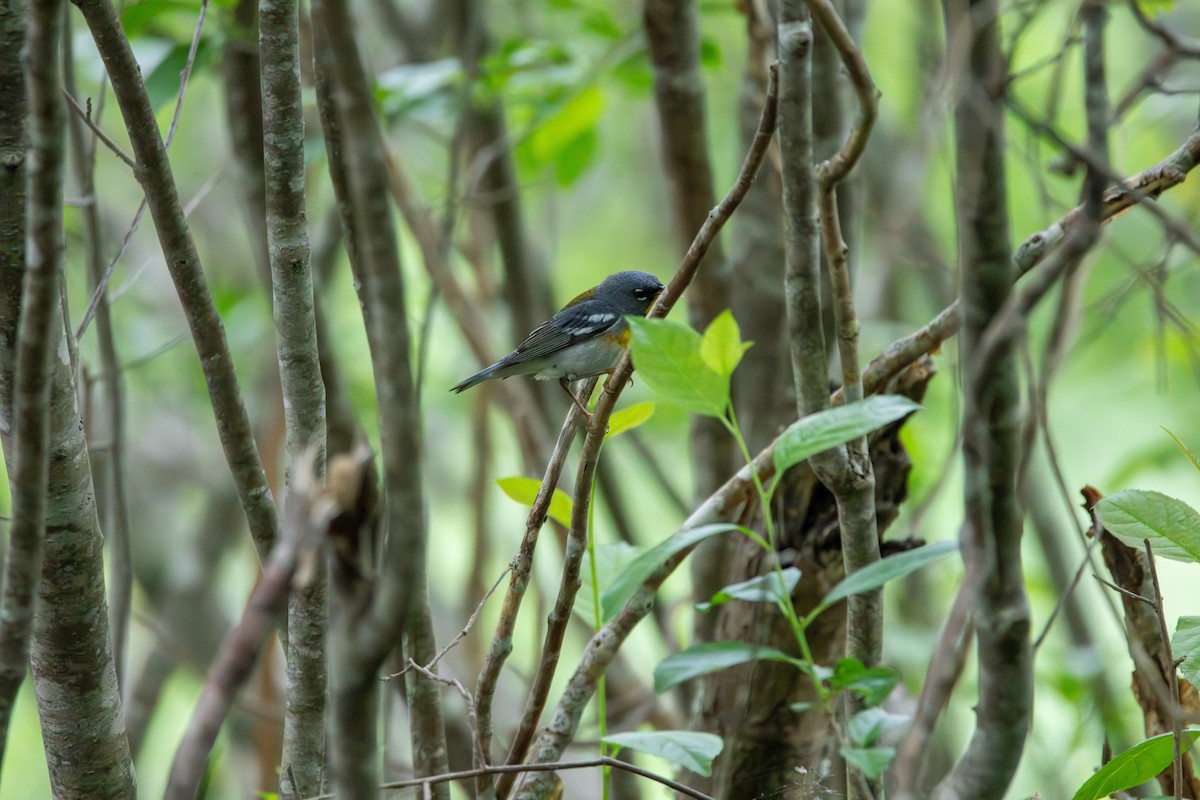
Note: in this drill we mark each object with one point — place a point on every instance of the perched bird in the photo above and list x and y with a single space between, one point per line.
585 338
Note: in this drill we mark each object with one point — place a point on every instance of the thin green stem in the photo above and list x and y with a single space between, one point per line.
785 605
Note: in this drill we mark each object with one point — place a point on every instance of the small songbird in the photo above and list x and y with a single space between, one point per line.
585 338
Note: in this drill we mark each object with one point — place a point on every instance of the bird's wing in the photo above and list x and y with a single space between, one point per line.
572 324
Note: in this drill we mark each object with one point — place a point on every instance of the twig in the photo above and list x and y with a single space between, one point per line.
945 667
468 701
1065 595
186 73
554 766
462 634
100 134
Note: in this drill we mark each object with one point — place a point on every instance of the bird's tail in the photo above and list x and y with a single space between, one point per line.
478 377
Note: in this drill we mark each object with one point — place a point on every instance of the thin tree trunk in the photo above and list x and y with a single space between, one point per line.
75 678
302 769
991 538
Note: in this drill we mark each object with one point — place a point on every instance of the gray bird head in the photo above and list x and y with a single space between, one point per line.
631 292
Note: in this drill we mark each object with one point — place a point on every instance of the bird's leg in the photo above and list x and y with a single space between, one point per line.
566 386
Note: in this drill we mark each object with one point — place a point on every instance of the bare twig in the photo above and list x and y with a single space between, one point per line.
99 132
554 766
945 667
462 634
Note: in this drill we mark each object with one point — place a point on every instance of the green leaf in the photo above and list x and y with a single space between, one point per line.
626 419
406 87
1172 526
689 749
1135 766
870 761
611 561
524 491
1185 644
722 347
768 588
643 566
831 427
567 138
865 727
667 356
874 575
872 684
703 659
1191 456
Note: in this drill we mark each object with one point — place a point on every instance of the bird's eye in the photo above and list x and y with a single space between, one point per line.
640 294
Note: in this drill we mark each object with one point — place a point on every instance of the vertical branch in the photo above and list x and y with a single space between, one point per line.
854 484
992 532
300 372
183 262
802 277
367 629
74 675
24 563
29 323
241 76
114 508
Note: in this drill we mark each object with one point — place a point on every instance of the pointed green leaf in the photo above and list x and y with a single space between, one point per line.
872 684
768 588
1135 766
874 575
710 657
524 491
1185 644
626 419
722 347
689 749
667 356
833 426
1179 443
643 566
1172 526
865 727
611 561
870 761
